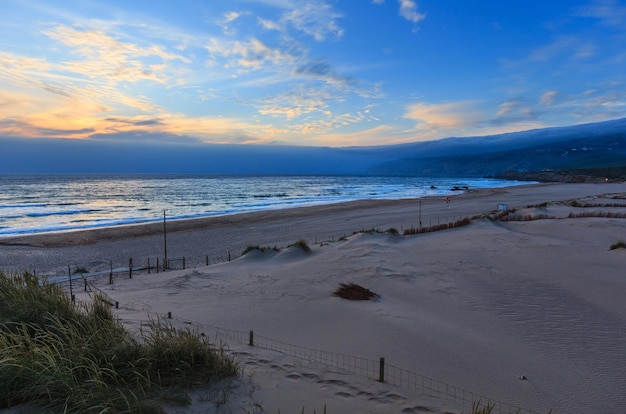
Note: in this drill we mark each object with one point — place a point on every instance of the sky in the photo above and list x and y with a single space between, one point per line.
306 72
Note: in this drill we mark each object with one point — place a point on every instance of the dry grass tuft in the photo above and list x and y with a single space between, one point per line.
352 291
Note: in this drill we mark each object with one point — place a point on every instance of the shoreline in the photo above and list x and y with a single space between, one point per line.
219 239
123 231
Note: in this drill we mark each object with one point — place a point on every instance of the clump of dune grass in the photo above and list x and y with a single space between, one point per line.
258 248
302 244
67 357
619 245
598 214
444 226
479 408
352 291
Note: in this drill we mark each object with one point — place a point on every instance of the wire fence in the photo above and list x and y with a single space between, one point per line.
373 369
134 266
378 370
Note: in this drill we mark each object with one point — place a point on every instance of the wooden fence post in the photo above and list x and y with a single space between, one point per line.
130 268
207 259
251 342
157 266
381 371
85 285
69 272
111 272
184 263
169 315
148 265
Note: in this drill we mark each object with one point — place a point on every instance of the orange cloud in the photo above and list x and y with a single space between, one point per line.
443 116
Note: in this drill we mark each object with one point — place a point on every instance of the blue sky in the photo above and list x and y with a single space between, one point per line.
317 72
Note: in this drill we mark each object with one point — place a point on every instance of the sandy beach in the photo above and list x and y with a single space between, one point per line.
527 312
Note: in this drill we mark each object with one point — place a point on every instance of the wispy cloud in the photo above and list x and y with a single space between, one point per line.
294 104
366 137
102 57
548 98
609 12
316 18
244 56
570 47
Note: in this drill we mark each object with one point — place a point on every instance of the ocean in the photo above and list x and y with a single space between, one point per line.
49 203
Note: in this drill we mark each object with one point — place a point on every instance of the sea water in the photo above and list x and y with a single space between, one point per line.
48 203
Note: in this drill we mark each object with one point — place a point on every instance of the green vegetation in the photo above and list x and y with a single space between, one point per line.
302 244
444 226
65 357
259 248
478 408
619 245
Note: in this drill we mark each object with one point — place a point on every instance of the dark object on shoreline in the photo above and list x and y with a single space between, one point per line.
352 291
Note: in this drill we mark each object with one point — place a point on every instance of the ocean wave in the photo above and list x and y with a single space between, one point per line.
79 202
62 213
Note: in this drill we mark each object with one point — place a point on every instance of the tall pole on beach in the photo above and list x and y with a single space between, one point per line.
420 214
164 242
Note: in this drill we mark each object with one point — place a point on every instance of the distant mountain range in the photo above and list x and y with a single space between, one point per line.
597 145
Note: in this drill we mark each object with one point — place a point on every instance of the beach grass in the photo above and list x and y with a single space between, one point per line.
302 245
262 249
67 357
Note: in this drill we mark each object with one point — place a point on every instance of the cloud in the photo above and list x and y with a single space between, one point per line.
145 137
294 104
231 16
511 106
321 70
446 116
250 55
548 98
268 24
18 128
568 46
408 10
609 12
379 135
102 57
512 111
316 18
